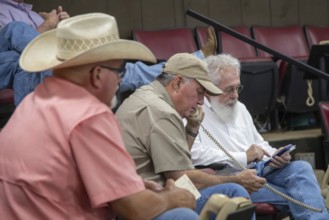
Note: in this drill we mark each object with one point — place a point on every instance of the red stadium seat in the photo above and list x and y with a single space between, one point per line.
316 34
165 43
6 105
294 89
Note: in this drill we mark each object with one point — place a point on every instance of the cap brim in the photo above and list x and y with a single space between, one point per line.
210 87
40 53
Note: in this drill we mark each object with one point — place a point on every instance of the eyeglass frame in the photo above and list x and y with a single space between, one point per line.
118 71
231 89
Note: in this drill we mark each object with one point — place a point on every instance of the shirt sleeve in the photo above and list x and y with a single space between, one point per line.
106 169
169 150
256 137
202 154
139 74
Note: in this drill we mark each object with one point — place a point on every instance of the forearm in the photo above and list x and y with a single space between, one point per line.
202 179
191 134
143 205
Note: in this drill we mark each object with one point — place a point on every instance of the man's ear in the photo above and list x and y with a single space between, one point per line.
177 82
95 77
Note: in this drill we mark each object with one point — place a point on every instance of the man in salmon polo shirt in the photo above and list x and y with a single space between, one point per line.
61 153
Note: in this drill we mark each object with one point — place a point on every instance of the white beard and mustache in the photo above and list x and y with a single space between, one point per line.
225 112
114 102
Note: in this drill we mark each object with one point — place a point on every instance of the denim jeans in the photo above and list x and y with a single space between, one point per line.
178 214
297 180
228 189
13 39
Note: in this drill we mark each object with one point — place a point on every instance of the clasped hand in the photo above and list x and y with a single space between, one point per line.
195 119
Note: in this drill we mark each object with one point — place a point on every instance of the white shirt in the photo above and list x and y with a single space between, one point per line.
235 136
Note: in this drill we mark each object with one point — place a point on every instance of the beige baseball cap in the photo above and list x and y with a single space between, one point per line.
190 66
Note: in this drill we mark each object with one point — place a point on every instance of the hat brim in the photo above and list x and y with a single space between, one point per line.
40 53
210 87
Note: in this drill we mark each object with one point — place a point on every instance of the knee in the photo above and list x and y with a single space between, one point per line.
240 191
300 166
17 25
236 190
179 213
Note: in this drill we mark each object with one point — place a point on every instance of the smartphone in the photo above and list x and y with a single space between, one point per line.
287 148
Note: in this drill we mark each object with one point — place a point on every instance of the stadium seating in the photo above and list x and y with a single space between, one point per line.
316 34
165 43
297 95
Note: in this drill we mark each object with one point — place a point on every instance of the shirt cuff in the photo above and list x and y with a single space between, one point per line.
199 55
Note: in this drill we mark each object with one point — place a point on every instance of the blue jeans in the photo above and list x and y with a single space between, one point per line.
228 189
13 39
178 214
297 180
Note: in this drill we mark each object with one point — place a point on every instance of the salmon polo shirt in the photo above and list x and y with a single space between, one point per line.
62 157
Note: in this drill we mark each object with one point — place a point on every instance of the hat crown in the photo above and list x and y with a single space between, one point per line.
190 66
187 65
73 38
81 40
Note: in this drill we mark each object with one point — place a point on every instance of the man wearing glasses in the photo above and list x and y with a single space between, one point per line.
230 123
64 144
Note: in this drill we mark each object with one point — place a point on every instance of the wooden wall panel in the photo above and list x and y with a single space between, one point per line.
180 16
197 6
128 15
87 6
158 14
47 6
284 12
226 12
256 12
313 12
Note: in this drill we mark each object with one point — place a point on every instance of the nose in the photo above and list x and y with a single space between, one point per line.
235 94
201 100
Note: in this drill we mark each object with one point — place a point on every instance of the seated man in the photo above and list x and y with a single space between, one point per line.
20 24
66 158
17 10
16 35
154 134
229 122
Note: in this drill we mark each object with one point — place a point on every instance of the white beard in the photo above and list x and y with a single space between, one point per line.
225 112
114 102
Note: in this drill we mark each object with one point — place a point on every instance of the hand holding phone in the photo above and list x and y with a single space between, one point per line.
287 148
195 119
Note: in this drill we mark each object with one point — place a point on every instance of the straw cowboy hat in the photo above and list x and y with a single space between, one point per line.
79 40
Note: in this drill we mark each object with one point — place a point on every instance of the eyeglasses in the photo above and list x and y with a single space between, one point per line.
232 89
119 71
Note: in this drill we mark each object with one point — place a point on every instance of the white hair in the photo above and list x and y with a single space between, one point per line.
216 63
